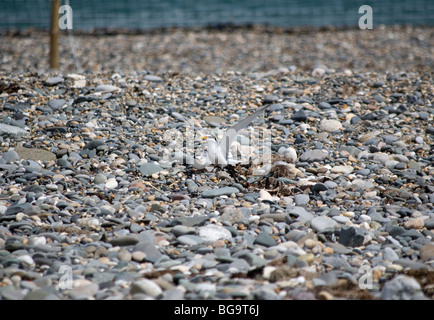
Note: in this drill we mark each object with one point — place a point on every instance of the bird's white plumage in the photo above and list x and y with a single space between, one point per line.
218 152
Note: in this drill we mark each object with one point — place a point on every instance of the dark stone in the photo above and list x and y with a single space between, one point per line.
271 98
319 187
300 115
324 105
351 237
94 144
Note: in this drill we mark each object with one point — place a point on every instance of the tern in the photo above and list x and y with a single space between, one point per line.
218 151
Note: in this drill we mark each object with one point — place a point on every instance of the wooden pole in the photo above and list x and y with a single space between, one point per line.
54 34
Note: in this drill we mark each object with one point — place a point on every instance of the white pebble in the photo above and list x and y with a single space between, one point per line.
111 183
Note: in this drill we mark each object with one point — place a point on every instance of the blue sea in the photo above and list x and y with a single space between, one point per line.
150 14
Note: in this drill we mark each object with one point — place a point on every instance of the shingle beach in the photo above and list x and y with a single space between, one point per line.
93 182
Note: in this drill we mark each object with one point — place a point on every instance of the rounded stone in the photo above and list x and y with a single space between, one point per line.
402 288
321 224
146 286
330 125
124 241
211 233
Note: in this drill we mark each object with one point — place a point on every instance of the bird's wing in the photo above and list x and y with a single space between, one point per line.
231 134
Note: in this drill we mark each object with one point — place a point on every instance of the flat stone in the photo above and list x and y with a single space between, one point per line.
390 255
52 81
426 252
149 248
402 288
313 155
100 178
299 115
416 223
301 214
56 104
429 223
12 131
214 119
265 239
181 230
231 215
301 199
10 156
138 256
94 144
153 78
363 184
342 169
330 125
189 239
212 233
271 98
124 241
106 88
321 224
111 183
148 169
147 287
212 193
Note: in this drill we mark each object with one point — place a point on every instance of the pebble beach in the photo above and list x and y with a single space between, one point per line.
96 203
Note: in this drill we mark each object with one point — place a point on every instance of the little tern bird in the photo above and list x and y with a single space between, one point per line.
218 152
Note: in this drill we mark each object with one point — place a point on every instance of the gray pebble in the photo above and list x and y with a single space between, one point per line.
402 288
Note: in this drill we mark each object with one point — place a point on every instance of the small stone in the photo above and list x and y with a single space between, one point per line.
416 223
124 241
106 88
301 214
231 215
301 199
54 80
138 256
342 169
429 223
390 255
10 156
271 99
146 286
300 115
94 144
111 183
330 126
321 224
212 193
153 78
427 252
56 104
124 255
313 155
190 240
35 154
13 131
351 237
211 233
100 178
265 239
402 288
148 169
319 187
